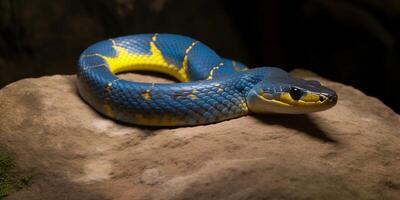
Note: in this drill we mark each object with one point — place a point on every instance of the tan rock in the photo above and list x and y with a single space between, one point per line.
349 152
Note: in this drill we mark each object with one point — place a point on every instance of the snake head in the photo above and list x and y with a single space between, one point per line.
282 93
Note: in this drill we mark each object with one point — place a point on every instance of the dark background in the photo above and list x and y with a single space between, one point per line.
350 41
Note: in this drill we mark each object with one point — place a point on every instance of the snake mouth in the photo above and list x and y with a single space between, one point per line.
307 100
284 103
284 99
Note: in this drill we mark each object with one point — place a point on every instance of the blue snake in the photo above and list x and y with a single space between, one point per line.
211 88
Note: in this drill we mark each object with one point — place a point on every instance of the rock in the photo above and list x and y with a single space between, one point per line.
351 151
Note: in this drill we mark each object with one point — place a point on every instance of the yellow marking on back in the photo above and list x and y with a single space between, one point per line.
210 77
155 61
185 66
146 95
192 96
154 38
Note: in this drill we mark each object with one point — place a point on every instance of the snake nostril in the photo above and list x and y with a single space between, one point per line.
332 98
321 98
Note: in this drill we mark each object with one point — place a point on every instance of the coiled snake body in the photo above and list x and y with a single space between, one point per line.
212 88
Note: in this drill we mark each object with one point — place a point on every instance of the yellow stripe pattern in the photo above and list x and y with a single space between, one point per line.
155 61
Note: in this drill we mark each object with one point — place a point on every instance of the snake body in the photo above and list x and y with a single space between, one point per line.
211 88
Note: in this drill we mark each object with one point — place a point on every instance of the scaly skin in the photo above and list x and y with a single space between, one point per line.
213 89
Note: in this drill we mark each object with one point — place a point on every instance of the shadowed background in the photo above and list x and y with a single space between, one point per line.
353 42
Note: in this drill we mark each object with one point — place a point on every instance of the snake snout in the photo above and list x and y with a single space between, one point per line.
332 98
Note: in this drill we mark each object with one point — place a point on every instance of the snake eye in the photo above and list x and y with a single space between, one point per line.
295 93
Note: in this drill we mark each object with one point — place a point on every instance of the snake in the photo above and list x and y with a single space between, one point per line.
208 88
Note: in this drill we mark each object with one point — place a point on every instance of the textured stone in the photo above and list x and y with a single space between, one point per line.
351 151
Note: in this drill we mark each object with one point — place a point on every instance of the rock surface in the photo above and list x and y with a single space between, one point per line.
349 152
